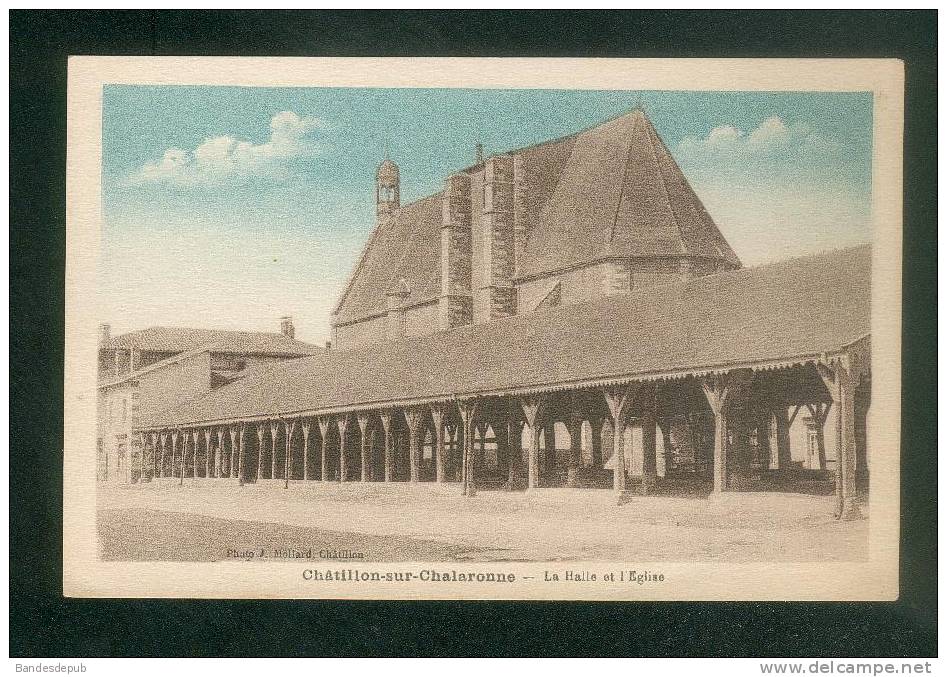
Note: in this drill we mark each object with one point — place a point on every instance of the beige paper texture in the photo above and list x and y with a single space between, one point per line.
423 512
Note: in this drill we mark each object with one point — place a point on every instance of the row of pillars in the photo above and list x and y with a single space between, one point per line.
507 416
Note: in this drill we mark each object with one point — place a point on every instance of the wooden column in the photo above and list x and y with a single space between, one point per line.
363 419
438 412
649 447
343 423
196 435
717 391
549 454
468 412
325 423
838 381
819 413
532 408
575 447
618 399
305 428
219 454
783 449
596 425
184 437
207 436
164 439
274 430
720 391
386 424
242 463
232 468
289 428
414 417
260 432
514 432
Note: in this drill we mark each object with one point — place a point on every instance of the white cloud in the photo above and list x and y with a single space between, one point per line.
221 158
773 137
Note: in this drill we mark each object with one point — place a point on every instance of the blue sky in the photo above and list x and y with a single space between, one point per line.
228 207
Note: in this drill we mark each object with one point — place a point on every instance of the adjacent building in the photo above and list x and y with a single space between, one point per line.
143 372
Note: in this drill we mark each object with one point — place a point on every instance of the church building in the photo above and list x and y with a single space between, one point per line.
601 212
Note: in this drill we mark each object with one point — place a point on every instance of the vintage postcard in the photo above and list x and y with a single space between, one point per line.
565 329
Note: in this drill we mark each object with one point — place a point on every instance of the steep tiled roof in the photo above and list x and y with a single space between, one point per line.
406 246
620 194
609 191
799 308
180 339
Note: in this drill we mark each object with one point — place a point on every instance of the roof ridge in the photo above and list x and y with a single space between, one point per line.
664 185
621 186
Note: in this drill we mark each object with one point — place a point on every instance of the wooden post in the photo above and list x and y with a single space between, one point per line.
618 399
819 413
649 449
549 454
325 423
468 412
514 432
363 419
184 437
242 463
437 415
575 447
414 417
532 407
783 450
343 423
721 391
260 432
838 381
219 454
164 439
196 435
305 427
232 467
274 431
386 424
717 391
289 427
207 435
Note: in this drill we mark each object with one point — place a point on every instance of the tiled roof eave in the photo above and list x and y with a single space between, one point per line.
374 316
526 277
577 384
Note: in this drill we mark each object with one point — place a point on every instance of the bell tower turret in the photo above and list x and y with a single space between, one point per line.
387 189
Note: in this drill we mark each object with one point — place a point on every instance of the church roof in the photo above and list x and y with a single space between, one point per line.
180 339
783 313
609 191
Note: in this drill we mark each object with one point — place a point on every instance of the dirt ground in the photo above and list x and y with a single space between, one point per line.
428 522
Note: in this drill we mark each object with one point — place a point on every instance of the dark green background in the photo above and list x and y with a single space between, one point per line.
43 623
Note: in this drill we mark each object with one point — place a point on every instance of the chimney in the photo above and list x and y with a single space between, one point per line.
479 151
105 333
286 327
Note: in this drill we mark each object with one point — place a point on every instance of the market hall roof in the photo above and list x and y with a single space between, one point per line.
181 339
613 190
785 312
